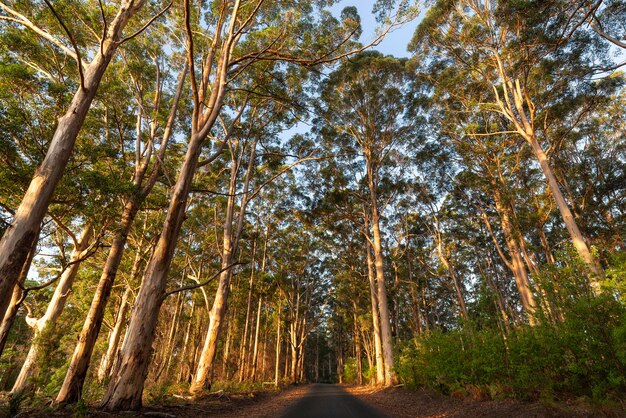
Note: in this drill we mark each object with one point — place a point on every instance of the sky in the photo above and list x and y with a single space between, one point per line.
394 42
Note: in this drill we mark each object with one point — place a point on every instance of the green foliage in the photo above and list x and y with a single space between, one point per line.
349 370
582 356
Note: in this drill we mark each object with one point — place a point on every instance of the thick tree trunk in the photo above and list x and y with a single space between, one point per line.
17 297
74 379
125 389
383 305
16 242
72 386
54 310
114 339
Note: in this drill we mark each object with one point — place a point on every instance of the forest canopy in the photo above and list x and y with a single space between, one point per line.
231 193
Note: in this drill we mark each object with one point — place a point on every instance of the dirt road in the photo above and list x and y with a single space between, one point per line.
330 401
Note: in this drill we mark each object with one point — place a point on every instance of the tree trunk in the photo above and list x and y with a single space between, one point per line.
277 365
256 341
357 347
243 354
516 262
54 310
207 358
17 297
16 241
229 248
125 389
183 360
570 223
380 367
72 386
74 379
114 339
383 306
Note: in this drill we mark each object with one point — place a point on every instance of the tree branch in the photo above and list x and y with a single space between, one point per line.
195 286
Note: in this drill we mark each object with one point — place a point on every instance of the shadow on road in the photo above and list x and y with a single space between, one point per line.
330 401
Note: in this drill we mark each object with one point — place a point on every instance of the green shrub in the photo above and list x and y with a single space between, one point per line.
583 354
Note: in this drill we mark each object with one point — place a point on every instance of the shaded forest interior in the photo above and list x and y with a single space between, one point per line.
243 194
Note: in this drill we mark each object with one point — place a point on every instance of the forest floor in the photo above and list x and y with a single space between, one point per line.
394 402
402 403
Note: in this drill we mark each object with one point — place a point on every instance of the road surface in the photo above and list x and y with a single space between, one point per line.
330 401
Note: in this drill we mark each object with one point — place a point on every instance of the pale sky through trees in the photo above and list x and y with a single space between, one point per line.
394 43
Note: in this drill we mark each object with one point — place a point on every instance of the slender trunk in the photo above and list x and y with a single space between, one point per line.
457 287
256 341
516 262
205 365
16 241
546 245
226 354
114 339
380 368
183 361
243 354
167 348
230 244
501 305
286 366
367 345
357 347
54 310
277 365
10 314
570 223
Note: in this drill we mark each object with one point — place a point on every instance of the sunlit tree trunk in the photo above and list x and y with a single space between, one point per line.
516 263
256 341
517 106
72 386
54 309
278 344
378 347
207 358
383 304
71 389
17 297
566 214
126 387
17 239
229 247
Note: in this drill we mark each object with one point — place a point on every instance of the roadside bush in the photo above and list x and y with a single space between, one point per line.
581 355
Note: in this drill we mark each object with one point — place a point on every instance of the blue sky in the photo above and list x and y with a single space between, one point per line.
394 43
